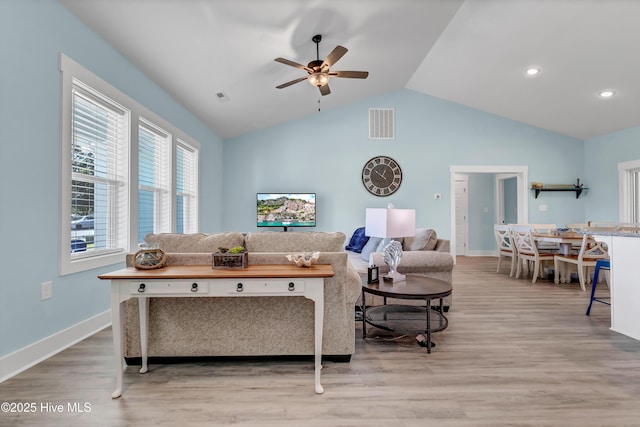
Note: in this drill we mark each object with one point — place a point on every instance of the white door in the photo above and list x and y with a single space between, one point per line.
462 214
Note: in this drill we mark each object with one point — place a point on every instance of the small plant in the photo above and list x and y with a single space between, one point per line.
223 250
237 250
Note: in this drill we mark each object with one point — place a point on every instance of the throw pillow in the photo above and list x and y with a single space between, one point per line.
357 241
371 246
424 240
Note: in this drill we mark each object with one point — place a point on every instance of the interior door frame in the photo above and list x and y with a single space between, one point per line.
522 175
465 178
500 178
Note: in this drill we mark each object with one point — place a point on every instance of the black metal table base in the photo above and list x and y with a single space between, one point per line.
406 318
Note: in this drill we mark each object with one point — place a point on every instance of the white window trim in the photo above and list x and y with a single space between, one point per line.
192 225
73 264
625 170
164 219
70 70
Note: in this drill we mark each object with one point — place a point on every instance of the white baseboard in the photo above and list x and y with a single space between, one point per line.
482 253
14 363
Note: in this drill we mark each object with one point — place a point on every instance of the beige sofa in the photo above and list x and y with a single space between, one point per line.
423 255
264 326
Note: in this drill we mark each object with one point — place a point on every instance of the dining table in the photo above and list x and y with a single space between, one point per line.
565 240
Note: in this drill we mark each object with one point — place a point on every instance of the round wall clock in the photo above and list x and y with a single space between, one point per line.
382 176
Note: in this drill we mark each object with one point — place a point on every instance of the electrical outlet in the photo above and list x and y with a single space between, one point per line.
46 290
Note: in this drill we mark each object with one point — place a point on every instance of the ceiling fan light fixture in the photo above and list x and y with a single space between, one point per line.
318 79
606 93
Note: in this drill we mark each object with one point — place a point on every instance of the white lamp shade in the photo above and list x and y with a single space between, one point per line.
390 223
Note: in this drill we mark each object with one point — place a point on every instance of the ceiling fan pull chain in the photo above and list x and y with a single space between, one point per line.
318 104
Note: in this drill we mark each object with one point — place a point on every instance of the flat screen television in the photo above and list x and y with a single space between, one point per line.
286 210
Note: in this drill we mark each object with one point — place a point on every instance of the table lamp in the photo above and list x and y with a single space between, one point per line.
388 224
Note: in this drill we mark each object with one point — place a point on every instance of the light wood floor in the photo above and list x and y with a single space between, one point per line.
514 354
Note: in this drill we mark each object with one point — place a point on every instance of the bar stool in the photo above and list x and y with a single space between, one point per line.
604 264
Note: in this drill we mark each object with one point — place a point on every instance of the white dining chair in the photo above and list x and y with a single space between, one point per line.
505 247
528 251
546 229
590 252
577 226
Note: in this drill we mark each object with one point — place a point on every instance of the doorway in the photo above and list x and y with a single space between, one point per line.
506 199
519 172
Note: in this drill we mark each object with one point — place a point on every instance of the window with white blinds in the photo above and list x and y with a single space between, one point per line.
154 177
99 144
126 172
186 188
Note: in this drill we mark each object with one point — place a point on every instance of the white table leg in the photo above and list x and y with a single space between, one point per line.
143 308
116 328
317 295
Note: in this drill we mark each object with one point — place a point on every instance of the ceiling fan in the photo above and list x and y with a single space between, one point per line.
320 71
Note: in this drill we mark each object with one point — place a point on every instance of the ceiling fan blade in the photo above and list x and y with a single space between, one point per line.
350 74
293 64
324 90
283 85
337 53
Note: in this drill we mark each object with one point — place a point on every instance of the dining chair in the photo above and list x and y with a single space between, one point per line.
590 252
546 229
576 226
528 251
505 247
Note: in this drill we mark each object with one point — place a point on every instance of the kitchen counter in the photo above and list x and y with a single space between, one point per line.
624 252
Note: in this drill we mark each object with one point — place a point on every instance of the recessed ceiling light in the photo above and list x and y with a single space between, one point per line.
532 71
606 94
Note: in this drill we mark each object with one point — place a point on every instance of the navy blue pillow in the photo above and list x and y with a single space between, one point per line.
358 240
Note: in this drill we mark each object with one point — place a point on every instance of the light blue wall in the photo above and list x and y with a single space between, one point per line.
325 153
32 34
602 156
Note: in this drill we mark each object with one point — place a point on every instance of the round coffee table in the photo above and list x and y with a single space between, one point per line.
407 317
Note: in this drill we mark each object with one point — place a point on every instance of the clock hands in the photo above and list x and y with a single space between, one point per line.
381 174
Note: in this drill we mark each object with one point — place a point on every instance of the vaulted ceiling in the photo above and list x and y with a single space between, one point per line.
472 52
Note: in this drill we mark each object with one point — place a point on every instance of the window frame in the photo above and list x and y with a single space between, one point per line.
628 190
163 161
70 70
191 223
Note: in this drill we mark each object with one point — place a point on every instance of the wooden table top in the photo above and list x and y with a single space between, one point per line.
558 238
414 287
207 272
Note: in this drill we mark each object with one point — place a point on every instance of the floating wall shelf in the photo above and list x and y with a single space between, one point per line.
578 191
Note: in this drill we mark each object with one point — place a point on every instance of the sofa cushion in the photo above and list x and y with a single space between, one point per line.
371 246
424 240
271 241
195 242
357 241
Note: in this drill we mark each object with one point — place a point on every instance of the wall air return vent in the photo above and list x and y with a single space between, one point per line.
382 123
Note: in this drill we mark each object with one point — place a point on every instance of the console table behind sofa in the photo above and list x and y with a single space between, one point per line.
260 326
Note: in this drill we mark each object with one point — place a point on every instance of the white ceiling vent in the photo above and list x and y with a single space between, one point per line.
382 123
